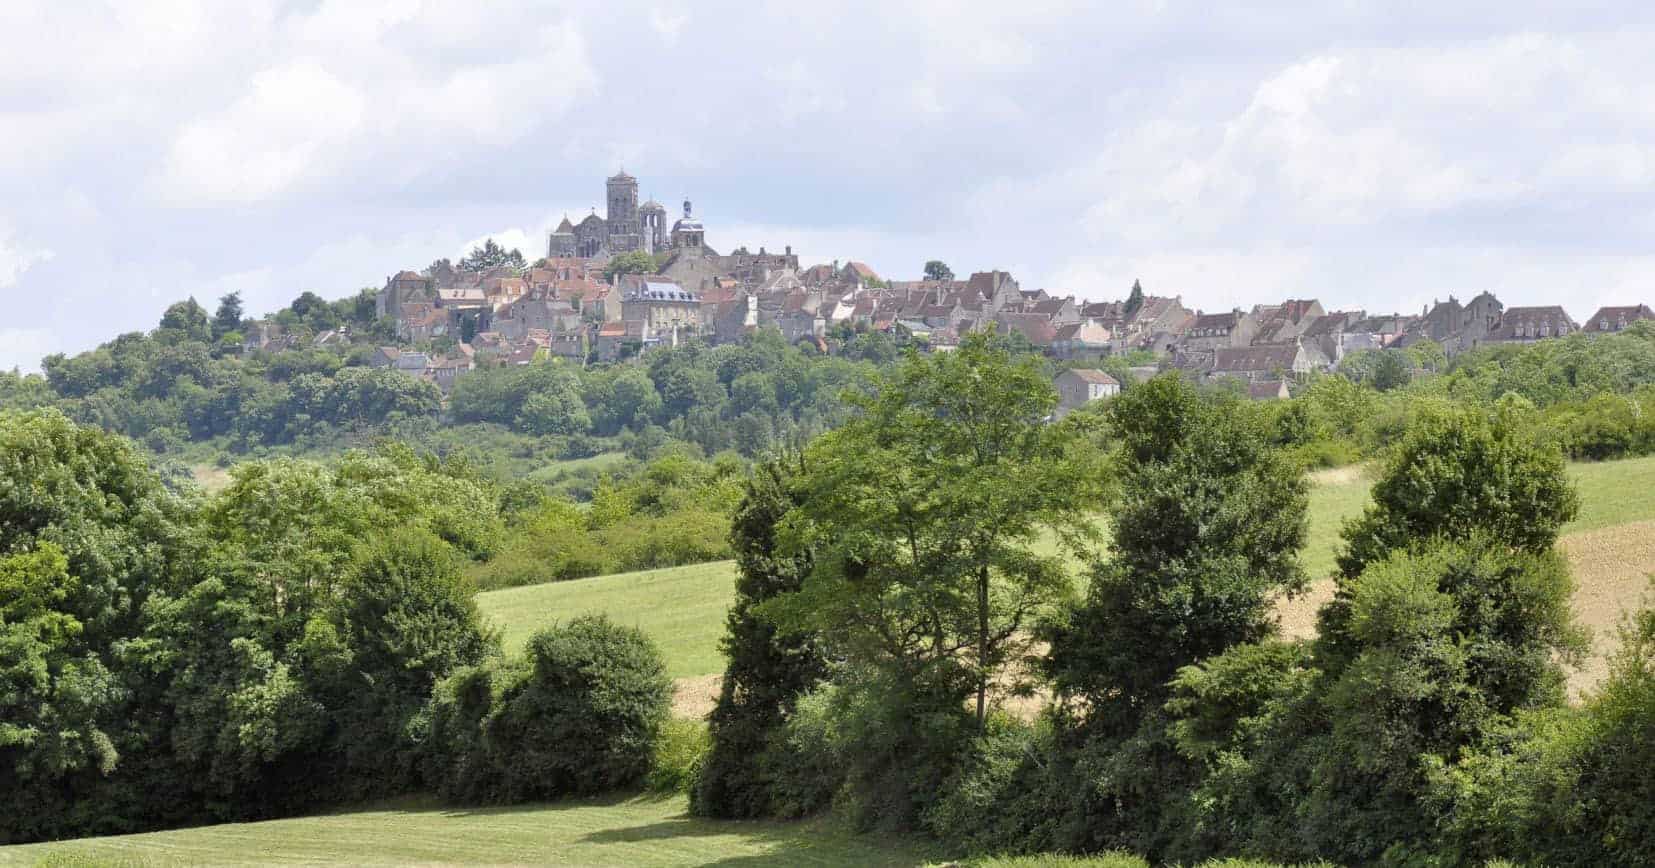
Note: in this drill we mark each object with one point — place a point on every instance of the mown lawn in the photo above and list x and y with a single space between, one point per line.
683 608
618 831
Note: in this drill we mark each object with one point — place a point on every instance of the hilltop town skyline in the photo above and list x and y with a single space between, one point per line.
1224 155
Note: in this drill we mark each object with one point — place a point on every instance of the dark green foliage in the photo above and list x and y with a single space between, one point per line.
228 316
578 713
1134 300
767 670
403 620
1207 527
936 269
1575 789
1008 794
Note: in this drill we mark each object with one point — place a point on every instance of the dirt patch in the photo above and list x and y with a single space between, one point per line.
1298 615
695 697
1612 567
1338 475
211 479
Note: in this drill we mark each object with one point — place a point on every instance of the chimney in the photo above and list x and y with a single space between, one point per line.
789 250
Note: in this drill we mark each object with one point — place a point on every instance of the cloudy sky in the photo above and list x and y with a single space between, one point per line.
1346 150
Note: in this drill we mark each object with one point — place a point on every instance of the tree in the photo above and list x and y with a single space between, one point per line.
1460 471
489 255
228 317
1135 300
923 514
1206 529
188 320
1392 371
767 670
936 269
631 262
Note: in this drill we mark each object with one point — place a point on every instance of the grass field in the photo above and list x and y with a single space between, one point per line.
618 831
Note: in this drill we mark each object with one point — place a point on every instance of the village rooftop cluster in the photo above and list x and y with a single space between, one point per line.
563 306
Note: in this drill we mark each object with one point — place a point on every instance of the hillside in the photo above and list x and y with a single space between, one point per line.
683 607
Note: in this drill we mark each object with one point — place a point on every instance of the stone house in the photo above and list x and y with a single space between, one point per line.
1457 327
1213 331
1266 362
1614 319
661 304
1078 387
1285 322
1523 325
1269 390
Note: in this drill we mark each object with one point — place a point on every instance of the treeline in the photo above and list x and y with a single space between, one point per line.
188 387
898 585
1596 391
303 638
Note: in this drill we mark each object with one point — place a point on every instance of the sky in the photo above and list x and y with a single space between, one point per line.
1372 155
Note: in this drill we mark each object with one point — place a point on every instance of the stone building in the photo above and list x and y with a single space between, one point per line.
402 288
1078 387
1614 319
625 226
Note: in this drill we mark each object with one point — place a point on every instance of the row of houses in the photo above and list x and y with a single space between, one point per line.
564 307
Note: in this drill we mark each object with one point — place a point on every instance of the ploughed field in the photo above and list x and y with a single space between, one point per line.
1610 547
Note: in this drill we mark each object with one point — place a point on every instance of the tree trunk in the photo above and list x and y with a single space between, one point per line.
982 646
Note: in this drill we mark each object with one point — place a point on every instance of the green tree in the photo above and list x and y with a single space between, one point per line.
188 321
767 670
1134 300
1207 527
936 269
924 513
631 262
1461 470
228 316
1392 371
489 255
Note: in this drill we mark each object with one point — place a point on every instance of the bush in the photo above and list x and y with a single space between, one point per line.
804 766
579 712
1006 796
680 752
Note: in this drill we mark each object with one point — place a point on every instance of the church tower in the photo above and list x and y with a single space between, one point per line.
622 217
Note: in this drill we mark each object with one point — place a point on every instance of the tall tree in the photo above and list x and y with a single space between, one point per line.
1135 300
1207 529
767 669
925 514
936 269
228 317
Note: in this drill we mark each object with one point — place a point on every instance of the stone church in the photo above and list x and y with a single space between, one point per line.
625 226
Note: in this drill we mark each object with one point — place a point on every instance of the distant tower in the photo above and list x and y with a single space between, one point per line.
688 232
622 218
653 216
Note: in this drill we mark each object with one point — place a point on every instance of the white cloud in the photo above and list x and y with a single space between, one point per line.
285 130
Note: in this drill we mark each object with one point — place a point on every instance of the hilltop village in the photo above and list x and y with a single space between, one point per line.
619 285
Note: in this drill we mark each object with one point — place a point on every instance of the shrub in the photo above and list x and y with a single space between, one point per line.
680 753
578 713
804 765
1006 796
